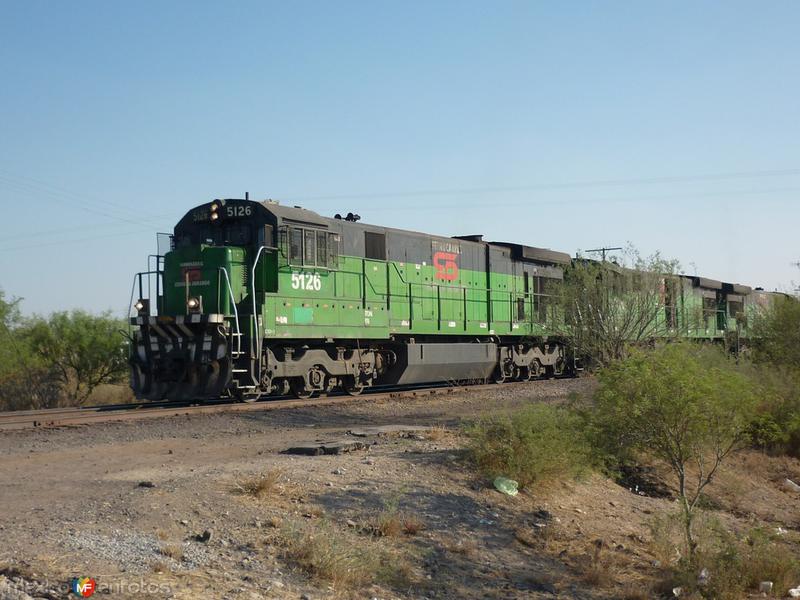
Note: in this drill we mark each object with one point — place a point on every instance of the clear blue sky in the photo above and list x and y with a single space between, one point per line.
672 125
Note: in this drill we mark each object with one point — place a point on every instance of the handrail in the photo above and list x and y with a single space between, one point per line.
235 310
255 317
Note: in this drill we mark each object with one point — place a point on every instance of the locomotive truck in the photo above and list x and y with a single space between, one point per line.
257 298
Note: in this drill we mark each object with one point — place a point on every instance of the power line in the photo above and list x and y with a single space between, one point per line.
74 241
72 200
554 186
571 202
603 250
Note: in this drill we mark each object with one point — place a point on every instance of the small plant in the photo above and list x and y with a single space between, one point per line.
173 551
726 567
159 566
537 444
412 525
262 486
337 557
464 547
598 571
437 433
388 524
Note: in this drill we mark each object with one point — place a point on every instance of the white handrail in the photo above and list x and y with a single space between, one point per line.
235 311
255 317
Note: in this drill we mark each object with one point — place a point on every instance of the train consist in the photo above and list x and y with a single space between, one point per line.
257 298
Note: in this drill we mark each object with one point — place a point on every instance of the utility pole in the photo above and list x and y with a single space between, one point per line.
603 251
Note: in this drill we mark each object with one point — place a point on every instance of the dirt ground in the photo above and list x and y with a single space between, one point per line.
165 507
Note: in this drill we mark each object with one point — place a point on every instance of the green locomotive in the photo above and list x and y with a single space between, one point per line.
257 298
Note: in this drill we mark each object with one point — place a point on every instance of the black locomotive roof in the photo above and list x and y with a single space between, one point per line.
296 214
737 288
545 255
704 282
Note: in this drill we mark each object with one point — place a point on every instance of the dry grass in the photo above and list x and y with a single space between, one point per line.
464 547
173 551
412 525
110 394
437 433
598 572
268 484
636 591
159 566
390 523
525 537
387 524
341 559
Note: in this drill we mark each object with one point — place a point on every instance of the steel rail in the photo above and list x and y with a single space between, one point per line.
60 417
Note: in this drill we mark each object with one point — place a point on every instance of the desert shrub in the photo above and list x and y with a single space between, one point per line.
686 405
30 386
734 566
776 427
776 334
537 444
84 350
267 484
58 361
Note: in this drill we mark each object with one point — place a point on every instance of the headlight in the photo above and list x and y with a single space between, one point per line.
142 306
214 216
193 303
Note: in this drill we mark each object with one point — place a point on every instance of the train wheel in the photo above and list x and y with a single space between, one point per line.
298 386
351 387
282 387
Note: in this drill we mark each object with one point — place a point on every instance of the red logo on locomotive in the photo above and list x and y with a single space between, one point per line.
446 265
191 274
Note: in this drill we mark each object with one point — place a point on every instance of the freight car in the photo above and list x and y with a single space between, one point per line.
257 298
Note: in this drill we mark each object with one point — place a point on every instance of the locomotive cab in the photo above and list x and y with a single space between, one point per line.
190 336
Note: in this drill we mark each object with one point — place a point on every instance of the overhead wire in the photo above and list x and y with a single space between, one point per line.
553 186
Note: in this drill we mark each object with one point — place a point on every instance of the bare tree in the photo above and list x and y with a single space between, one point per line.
611 305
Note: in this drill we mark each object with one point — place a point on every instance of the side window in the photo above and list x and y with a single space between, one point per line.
309 248
374 245
322 249
265 236
295 246
333 250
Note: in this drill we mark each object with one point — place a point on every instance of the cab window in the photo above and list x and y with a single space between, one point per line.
313 248
296 247
309 248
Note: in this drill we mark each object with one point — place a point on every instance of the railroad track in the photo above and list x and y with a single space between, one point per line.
61 417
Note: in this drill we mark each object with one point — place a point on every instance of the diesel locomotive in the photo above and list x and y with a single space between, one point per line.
257 298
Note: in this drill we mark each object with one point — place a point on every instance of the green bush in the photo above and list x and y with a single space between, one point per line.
735 566
776 334
57 361
687 405
537 444
776 428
